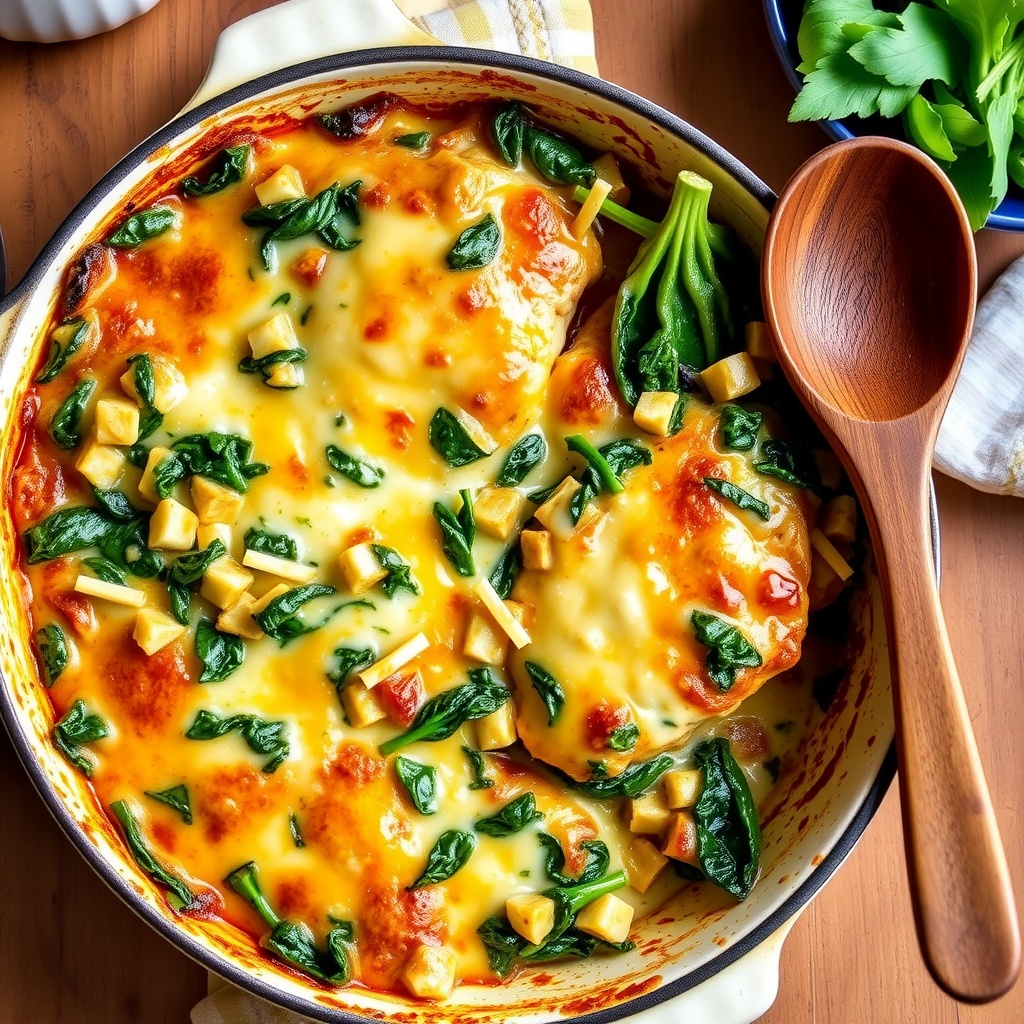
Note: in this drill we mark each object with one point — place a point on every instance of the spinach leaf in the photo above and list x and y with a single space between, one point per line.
220 653
512 818
420 780
225 458
75 728
739 428
442 715
549 689
457 534
636 779
624 737
279 619
64 427
476 246
598 859
508 128
145 387
65 341
348 660
506 570
596 461
179 895
502 944
786 463
228 169
450 853
176 797
106 570
728 649
414 140
728 832
478 769
295 830
320 216
294 943
116 505
618 457
399 575
186 572
570 943
557 160
269 543
524 456
264 366
740 498
260 735
359 471
53 652
141 227
449 439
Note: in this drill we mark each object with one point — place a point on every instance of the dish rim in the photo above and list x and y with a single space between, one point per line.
190 118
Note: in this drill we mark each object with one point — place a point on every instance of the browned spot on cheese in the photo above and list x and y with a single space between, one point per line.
58 588
149 691
293 898
353 761
230 797
602 721
399 426
393 923
310 266
37 486
437 357
418 200
376 198
589 397
378 328
189 278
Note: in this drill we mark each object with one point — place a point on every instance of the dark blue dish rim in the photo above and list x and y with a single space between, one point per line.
783 18
442 55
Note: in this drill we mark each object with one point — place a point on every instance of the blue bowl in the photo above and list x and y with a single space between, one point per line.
783 22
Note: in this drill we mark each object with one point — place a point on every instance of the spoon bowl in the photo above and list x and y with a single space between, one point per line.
869 282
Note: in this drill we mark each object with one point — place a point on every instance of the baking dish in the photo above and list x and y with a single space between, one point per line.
845 758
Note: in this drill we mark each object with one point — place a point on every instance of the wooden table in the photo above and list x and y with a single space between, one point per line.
70 953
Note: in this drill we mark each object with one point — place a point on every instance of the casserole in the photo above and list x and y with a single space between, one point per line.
468 61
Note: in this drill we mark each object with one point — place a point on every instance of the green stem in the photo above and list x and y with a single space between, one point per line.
987 84
579 444
619 214
244 881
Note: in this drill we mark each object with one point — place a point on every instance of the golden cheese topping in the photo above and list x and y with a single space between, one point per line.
274 638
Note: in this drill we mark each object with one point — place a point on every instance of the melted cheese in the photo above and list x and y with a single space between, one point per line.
392 335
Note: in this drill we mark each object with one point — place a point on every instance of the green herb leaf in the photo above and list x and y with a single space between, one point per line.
269 543
449 439
728 649
728 832
786 463
478 769
502 943
420 781
631 783
442 715
557 160
177 798
260 735
295 830
264 366
524 456
739 428
506 570
476 246
822 28
64 427
359 471
220 653
740 498
598 859
225 458
597 462
414 140
141 227
279 619
624 737
228 168
75 728
106 570
508 127
179 895
839 86
348 660
399 575
549 689
457 533
185 573
65 341
450 853
145 387
54 653
512 818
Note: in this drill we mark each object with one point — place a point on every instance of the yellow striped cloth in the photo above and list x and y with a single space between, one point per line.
561 31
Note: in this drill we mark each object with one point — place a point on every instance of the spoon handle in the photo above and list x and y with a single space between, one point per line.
960 885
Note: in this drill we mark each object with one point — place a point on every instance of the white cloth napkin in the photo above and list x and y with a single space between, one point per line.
981 439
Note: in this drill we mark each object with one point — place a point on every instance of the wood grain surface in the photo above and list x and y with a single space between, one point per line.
70 952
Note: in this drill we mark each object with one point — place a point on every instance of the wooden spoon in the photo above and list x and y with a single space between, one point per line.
869 282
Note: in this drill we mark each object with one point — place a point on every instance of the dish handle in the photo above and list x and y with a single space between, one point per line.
738 994
301 30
